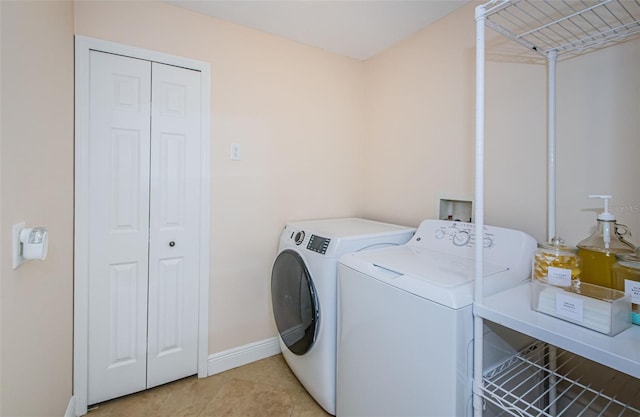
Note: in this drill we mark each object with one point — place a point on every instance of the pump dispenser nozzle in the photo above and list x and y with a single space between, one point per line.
605 215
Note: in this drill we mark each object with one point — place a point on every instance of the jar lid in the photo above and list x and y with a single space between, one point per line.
557 245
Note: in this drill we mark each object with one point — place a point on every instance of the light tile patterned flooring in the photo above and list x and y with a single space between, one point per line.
266 388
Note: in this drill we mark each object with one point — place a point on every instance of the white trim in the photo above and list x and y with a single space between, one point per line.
70 412
242 355
80 314
132 51
81 253
205 219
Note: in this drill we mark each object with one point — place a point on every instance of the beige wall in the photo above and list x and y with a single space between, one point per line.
297 113
37 187
599 139
419 114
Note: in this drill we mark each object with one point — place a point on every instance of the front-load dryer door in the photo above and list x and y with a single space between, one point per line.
295 304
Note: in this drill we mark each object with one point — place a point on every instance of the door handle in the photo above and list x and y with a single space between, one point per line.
172 243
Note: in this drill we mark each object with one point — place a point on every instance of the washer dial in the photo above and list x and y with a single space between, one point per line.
461 238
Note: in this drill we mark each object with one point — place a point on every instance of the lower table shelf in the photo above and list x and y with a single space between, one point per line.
542 380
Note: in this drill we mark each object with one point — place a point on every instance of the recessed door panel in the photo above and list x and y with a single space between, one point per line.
125 181
173 99
170 307
123 309
172 180
127 93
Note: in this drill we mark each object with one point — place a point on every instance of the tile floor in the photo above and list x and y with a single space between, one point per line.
266 388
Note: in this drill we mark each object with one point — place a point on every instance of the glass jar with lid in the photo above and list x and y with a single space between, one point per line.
625 275
557 264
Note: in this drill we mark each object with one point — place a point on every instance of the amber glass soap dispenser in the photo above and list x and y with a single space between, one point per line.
598 251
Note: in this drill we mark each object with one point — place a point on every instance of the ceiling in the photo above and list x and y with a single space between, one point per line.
355 28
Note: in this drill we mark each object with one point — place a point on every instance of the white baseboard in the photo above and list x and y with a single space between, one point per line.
71 408
242 355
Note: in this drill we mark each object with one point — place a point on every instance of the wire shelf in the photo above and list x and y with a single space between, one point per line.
568 27
542 380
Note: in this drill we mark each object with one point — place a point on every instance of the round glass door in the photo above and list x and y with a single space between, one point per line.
295 305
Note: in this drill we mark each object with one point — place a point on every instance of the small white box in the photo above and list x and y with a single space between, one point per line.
597 308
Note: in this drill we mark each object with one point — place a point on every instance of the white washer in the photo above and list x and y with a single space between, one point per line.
303 293
405 324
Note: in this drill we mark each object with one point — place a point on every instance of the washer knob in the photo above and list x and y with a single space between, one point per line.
299 237
461 238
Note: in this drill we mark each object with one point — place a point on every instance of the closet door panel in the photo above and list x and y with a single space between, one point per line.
119 140
174 224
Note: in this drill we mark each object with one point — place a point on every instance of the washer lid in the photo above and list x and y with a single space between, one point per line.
442 269
439 277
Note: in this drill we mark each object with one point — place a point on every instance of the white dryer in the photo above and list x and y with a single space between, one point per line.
303 293
405 324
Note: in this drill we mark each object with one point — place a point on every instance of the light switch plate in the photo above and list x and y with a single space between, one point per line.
235 152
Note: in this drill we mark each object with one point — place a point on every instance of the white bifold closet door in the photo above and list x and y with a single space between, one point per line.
144 186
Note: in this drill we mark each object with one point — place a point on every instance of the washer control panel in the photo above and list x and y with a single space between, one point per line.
313 242
502 246
463 234
318 244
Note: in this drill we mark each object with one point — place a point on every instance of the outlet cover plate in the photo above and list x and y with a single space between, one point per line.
17 246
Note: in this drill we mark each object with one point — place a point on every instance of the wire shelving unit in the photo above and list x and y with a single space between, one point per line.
527 386
543 379
567 27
